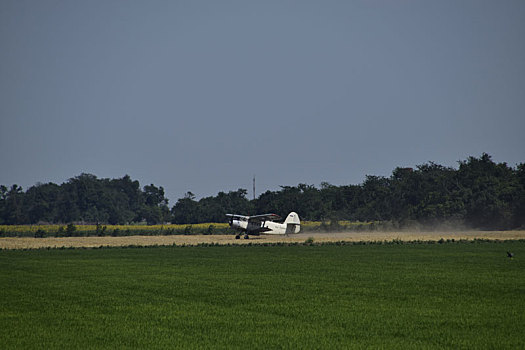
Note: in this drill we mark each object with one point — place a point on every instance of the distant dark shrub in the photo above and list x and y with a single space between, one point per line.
70 229
101 231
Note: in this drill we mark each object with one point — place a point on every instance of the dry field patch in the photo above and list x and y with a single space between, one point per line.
94 242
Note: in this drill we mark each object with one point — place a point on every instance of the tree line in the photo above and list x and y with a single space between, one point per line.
85 199
480 193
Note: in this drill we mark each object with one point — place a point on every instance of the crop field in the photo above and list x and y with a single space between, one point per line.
407 296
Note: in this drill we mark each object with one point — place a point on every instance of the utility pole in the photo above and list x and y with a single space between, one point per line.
253 187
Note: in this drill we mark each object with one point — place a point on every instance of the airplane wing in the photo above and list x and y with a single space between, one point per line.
264 217
237 216
255 218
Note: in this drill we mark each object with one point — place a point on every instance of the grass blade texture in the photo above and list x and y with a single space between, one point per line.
452 295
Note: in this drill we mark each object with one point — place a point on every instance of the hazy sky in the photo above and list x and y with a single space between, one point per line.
201 95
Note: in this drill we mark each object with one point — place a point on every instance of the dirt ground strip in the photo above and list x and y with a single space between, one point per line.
91 242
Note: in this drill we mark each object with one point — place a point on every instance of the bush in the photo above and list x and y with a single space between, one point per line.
101 230
70 230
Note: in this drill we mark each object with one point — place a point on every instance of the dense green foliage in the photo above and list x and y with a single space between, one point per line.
479 194
84 198
414 296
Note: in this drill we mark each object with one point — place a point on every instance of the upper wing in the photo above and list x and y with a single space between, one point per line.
236 216
264 217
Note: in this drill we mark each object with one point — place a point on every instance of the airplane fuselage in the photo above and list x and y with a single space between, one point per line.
263 224
266 227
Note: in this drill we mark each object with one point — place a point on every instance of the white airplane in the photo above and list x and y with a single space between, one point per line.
264 224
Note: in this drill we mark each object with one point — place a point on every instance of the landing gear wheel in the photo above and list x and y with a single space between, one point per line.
237 237
246 237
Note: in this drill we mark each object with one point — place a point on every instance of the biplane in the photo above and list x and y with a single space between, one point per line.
264 224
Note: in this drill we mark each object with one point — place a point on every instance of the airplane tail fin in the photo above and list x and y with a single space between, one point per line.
293 224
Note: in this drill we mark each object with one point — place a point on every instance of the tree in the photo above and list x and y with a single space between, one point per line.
41 202
519 203
185 210
13 212
375 199
489 189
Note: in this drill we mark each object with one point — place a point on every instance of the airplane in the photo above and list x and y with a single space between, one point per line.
264 224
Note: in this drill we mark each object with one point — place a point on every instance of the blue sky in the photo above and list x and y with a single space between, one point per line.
202 95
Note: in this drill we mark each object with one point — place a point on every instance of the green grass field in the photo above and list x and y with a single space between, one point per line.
453 295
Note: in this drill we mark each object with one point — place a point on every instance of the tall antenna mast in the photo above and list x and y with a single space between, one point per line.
253 187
